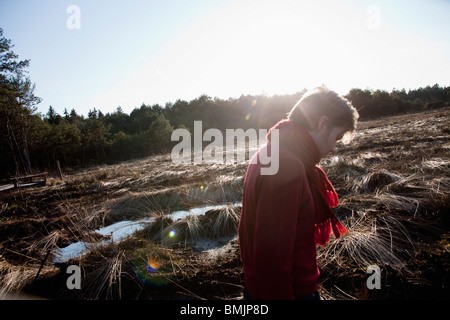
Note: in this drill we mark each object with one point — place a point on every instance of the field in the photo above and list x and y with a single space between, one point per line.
394 186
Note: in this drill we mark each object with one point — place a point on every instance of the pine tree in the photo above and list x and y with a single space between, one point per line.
17 107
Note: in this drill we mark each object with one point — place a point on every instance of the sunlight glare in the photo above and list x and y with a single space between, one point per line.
270 47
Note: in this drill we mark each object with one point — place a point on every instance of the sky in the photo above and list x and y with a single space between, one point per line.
105 54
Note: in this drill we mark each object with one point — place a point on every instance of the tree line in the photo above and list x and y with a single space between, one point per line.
31 141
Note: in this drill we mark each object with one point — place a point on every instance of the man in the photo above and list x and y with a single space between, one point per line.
286 214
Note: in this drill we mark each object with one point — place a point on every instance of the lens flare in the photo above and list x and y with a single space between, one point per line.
254 101
172 233
153 265
151 269
248 116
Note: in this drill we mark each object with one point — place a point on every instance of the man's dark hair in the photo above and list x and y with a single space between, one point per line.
323 102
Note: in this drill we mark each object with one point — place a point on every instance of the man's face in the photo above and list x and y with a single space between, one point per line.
329 140
325 136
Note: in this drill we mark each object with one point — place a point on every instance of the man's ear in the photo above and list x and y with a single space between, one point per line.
323 123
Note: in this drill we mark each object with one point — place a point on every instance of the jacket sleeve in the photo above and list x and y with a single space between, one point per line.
277 212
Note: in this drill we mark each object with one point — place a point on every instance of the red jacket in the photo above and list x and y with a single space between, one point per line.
276 230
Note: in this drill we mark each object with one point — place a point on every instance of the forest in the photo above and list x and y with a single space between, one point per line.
31 141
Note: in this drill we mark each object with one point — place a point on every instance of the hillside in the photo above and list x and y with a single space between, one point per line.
394 187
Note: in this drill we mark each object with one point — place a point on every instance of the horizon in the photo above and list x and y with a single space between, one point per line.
107 55
43 114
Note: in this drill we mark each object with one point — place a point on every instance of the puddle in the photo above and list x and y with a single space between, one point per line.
123 229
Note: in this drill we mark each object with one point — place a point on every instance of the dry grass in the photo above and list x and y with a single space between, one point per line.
394 183
394 187
213 224
15 277
372 239
187 230
220 223
105 273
